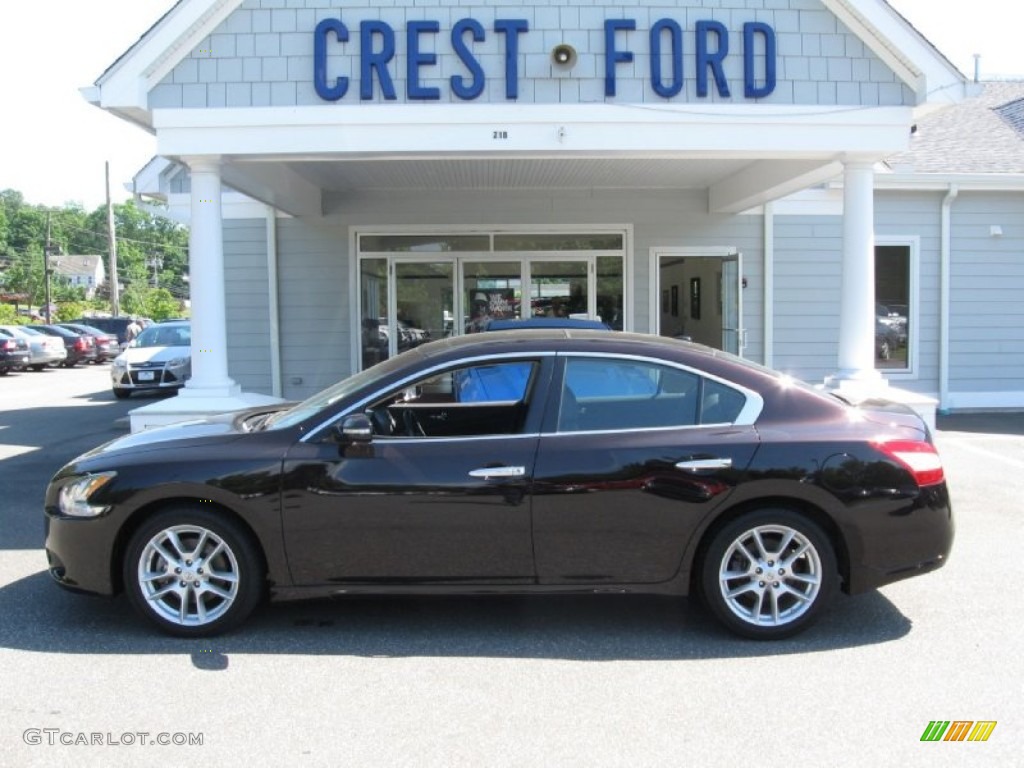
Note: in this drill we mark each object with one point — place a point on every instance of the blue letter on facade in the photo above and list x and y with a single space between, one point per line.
511 28
369 60
417 58
676 37
340 87
459 87
712 59
612 56
750 88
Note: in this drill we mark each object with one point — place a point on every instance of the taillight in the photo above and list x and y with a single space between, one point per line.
80 343
919 457
10 344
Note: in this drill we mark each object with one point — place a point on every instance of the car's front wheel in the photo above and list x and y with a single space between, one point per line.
768 574
192 572
122 394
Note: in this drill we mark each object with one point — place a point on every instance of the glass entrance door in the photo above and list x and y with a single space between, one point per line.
425 307
490 290
560 289
731 298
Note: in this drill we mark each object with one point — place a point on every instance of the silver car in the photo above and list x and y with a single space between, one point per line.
159 358
43 349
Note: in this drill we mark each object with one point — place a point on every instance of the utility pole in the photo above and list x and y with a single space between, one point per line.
115 289
46 267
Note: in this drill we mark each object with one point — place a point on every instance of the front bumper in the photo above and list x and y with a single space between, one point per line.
148 377
79 552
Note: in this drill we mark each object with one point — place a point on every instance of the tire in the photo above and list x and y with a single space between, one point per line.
122 394
756 593
193 572
37 366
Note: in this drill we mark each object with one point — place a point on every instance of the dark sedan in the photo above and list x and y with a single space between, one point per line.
554 461
81 347
107 347
14 352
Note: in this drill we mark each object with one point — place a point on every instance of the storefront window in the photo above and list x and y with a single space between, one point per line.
423 243
549 242
373 287
425 310
892 307
609 290
492 290
420 287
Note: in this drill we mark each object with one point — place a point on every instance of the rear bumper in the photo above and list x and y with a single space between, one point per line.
906 540
15 360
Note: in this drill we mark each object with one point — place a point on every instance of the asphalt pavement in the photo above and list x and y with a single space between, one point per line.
594 681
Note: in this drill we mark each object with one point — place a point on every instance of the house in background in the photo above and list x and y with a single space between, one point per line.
84 271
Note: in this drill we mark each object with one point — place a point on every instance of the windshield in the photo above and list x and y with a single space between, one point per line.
328 397
164 336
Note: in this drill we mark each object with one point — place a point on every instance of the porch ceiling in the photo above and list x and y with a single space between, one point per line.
733 184
515 173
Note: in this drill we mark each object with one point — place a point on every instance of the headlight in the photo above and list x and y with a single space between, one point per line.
120 362
74 497
178 362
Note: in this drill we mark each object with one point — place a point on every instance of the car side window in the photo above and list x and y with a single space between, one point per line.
611 394
720 404
476 400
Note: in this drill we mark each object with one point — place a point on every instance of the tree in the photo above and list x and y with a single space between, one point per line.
142 239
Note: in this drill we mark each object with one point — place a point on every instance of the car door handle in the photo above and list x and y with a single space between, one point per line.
695 465
494 472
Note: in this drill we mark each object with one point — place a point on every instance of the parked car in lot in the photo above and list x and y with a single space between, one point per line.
14 352
106 344
44 350
688 471
158 358
81 348
113 326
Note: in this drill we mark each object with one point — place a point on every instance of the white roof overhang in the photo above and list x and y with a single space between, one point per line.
741 154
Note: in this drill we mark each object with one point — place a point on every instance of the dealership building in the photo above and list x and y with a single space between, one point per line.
807 183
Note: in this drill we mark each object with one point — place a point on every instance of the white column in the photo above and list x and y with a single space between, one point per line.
206 277
857 304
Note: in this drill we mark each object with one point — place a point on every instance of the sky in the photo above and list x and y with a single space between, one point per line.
54 145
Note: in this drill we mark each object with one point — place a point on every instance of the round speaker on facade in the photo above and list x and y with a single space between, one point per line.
563 55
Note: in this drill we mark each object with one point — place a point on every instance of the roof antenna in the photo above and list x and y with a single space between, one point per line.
977 67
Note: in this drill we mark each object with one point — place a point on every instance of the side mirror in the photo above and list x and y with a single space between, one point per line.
356 428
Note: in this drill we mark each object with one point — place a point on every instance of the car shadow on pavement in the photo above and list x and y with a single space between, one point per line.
40 617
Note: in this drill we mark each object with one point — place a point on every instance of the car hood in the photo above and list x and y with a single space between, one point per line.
214 429
138 355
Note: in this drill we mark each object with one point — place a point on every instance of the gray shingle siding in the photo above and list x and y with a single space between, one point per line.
819 60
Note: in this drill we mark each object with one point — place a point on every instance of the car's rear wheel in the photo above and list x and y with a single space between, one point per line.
192 572
37 366
768 574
